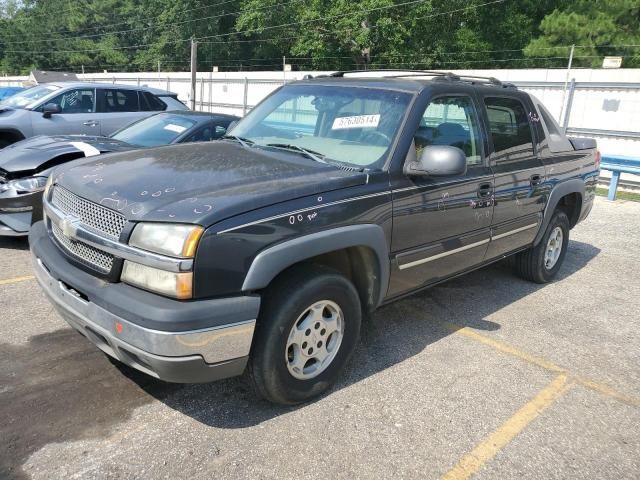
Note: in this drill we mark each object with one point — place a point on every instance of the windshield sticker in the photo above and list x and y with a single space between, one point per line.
89 151
172 127
358 121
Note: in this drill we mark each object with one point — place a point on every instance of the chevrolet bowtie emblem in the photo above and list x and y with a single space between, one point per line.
69 226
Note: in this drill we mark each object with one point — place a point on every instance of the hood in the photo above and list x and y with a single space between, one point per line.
36 154
199 183
10 114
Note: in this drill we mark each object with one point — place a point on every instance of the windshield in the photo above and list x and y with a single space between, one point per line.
153 131
27 97
354 126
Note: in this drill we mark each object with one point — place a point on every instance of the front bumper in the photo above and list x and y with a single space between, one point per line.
190 355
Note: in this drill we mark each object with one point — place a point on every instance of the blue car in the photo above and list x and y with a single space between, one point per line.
8 91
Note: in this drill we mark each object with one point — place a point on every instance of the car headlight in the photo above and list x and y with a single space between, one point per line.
176 285
176 240
48 186
25 185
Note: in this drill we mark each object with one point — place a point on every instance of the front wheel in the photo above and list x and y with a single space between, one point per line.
541 263
307 330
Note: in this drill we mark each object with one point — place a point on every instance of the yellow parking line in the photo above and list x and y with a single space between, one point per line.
541 362
485 451
504 348
607 390
9 281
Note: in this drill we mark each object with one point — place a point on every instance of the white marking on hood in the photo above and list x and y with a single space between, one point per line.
89 150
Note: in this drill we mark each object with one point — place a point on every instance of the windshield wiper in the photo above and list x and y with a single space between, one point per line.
313 155
245 142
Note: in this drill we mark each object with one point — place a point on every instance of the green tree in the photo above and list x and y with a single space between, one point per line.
597 28
134 35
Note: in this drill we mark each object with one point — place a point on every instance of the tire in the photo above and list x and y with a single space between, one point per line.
4 143
534 264
280 343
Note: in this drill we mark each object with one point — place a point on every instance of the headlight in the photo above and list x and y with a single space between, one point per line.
176 285
166 238
47 186
25 185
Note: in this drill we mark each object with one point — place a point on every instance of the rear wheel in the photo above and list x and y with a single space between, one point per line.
541 263
307 330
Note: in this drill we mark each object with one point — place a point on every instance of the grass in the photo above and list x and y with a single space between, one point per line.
620 195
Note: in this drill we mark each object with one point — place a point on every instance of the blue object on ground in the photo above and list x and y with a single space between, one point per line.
618 164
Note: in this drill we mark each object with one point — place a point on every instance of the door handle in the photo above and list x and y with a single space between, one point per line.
485 189
535 180
91 123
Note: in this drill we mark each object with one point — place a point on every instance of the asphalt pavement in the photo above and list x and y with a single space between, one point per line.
485 376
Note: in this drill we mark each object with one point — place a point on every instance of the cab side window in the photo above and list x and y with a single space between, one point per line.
509 129
76 101
202 134
451 120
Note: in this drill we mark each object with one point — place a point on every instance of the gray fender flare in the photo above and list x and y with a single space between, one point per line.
560 190
273 260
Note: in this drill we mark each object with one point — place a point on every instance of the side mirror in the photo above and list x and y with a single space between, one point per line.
437 161
49 109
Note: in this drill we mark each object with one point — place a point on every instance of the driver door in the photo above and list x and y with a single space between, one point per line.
77 115
441 225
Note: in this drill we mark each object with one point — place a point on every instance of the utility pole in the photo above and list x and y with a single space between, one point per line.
194 67
284 69
158 67
566 82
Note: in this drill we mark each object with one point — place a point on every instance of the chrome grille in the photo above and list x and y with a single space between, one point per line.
95 217
85 253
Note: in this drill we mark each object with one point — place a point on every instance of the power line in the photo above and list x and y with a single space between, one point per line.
127 22
387 7
330 17
33 13
461 52
333 33
409 2
372 27
150 27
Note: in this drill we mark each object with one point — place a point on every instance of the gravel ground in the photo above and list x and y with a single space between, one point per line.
499 377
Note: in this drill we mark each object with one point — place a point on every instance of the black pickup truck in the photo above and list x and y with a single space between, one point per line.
263 252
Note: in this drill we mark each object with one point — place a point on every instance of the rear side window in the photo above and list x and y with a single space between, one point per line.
150 103
509 128
121 101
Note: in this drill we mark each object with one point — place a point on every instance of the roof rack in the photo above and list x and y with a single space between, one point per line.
490 80
443 76
411 72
